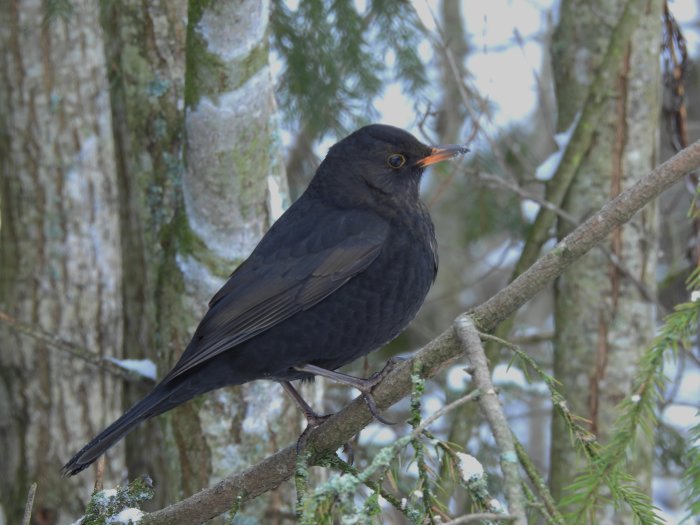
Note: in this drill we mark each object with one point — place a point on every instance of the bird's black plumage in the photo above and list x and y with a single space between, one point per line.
342 272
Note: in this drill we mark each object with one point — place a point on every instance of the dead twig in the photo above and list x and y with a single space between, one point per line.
29 505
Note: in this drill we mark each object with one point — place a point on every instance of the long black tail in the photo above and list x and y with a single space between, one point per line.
161 399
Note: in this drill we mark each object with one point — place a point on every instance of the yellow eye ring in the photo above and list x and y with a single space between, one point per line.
396 160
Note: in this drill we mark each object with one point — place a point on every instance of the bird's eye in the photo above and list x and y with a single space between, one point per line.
396 160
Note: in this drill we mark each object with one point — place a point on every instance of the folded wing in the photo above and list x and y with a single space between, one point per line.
289 271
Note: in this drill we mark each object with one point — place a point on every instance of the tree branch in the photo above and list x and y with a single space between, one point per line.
435 356
481 517
29 505
72 349
471 345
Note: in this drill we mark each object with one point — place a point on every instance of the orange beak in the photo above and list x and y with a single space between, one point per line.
440 153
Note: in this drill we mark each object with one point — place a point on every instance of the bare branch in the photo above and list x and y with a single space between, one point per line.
471 345
482 516
29 505
71 348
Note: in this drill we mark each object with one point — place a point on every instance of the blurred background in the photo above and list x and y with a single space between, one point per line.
146 146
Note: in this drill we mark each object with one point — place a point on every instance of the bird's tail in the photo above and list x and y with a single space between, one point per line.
161 399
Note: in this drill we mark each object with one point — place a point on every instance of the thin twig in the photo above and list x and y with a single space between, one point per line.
613 258
71 348
550 508
29 505
470 342
99 473
343 466
470 518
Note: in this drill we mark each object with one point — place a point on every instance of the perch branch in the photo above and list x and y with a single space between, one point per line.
435 356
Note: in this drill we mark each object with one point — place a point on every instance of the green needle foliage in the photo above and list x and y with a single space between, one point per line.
342 498
692 473
637 412
105 505
331 72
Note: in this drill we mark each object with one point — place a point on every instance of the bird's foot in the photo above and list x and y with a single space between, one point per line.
372 405
365 386
313 420
373 381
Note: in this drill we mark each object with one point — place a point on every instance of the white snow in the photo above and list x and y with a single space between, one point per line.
529 209
275 199
495 506
469 467
127 516
106 494
144 367
546 170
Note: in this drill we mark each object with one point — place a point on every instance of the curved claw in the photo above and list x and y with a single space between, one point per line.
313 423
374 410
347 448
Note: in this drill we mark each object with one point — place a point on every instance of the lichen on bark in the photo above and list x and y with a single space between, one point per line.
603 320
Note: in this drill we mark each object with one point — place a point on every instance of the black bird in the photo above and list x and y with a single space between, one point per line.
341 273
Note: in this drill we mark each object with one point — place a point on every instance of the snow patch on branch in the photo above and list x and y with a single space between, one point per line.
549 166
143 367
469 467
128 516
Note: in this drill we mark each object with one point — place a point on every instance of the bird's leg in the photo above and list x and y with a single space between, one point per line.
363 385
313 420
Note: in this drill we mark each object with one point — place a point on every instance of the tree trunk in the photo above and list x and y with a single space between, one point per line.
233 188
603 321
146 52
60 267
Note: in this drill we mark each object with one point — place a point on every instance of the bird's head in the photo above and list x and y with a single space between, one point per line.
386 160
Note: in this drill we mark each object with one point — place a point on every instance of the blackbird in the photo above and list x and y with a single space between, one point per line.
341 273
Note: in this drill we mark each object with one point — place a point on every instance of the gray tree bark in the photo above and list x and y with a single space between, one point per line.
94 187
233 188
603 321
145 45
60 267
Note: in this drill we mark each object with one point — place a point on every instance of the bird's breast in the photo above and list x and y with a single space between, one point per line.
381 301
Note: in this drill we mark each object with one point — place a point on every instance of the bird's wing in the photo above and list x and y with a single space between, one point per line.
292 269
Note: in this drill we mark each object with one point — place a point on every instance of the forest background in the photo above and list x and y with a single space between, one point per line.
146 146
